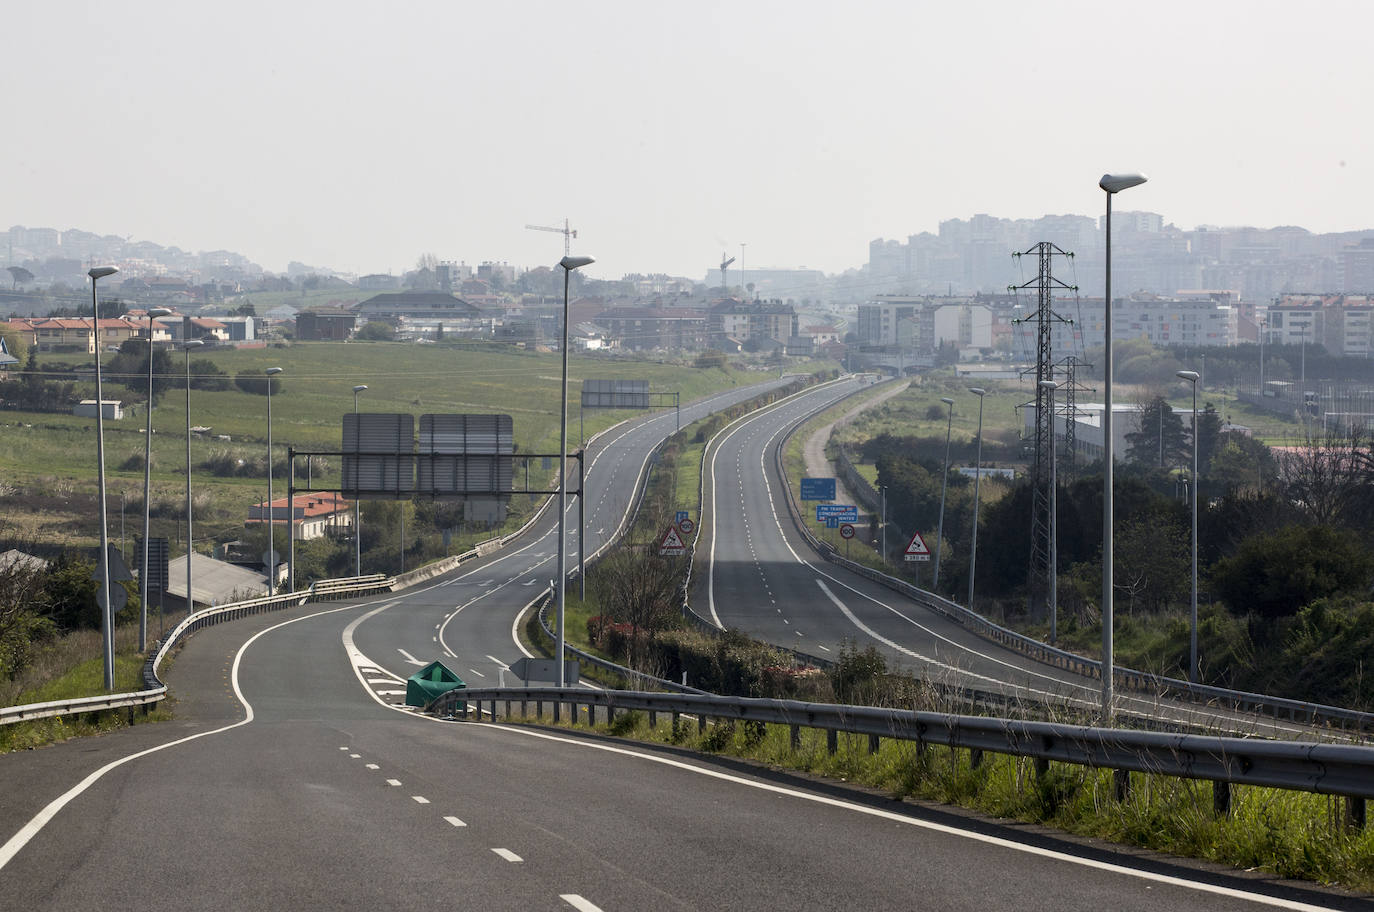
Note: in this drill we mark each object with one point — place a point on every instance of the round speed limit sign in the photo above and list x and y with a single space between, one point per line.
846 531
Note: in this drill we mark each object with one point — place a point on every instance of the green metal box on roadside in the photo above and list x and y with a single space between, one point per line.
432 681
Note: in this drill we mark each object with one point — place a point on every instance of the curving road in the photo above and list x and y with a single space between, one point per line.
760 576
289 781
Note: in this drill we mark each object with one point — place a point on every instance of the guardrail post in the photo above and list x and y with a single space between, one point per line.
677 719
1042 766
508 709
794 736
975 757
1221 798
873 743
493 709
557 711
1354 812
610 715
653 719
1121 784
524 709
701 724
832 741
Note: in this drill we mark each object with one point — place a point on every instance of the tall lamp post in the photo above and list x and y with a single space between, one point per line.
271 373
106 615
1112 184
977 479
1192 377
569 263
153 314
357 513
1049 386
944 486
186 347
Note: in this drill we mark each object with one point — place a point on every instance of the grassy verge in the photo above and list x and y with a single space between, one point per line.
73 667
1288 834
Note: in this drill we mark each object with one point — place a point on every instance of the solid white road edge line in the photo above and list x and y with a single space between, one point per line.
998 841
42 818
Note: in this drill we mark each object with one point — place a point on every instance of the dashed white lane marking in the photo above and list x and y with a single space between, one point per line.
385 681
419 799
344 748
392 693
819 646
578 903
373 766
455 821
355 756
499 662
393 782
476 672
508 854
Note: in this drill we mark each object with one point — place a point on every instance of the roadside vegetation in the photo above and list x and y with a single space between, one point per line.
1294 835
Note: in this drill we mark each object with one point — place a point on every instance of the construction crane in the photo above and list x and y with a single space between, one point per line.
567 232
724 264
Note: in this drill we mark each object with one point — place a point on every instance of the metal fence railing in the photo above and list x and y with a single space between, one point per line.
154 690
1330 769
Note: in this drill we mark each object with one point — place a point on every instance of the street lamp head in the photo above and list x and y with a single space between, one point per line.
1115 183
1050 385
156 312
272 370
194 343
946 400
978 391
99 272
576 262
1190 376
360 387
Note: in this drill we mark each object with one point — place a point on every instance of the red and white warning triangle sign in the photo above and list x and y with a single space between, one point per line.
671 543
916 550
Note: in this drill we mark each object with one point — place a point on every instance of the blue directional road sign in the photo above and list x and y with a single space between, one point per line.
842 512
832 522
681 515
818 488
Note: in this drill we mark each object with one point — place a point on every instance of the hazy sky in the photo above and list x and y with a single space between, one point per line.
359 135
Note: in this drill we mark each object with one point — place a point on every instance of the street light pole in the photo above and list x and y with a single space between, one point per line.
1049 386
1112 184
357 513
186 347
153 313
106 614
977 480
271 373
569 263
1192 377
944 487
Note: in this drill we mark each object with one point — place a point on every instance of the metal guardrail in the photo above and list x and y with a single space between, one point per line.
1330 769
1279 708
154 689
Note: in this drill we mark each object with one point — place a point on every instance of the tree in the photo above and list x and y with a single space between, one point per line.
246 309
1330 479
639 588
1208 437
19 276
1159 439
251 381
1240 462
15 343
376 332
206 376
1273 575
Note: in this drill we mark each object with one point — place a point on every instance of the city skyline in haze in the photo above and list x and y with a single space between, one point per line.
357 138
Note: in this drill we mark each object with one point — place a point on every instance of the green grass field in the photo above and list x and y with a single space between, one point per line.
48 461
